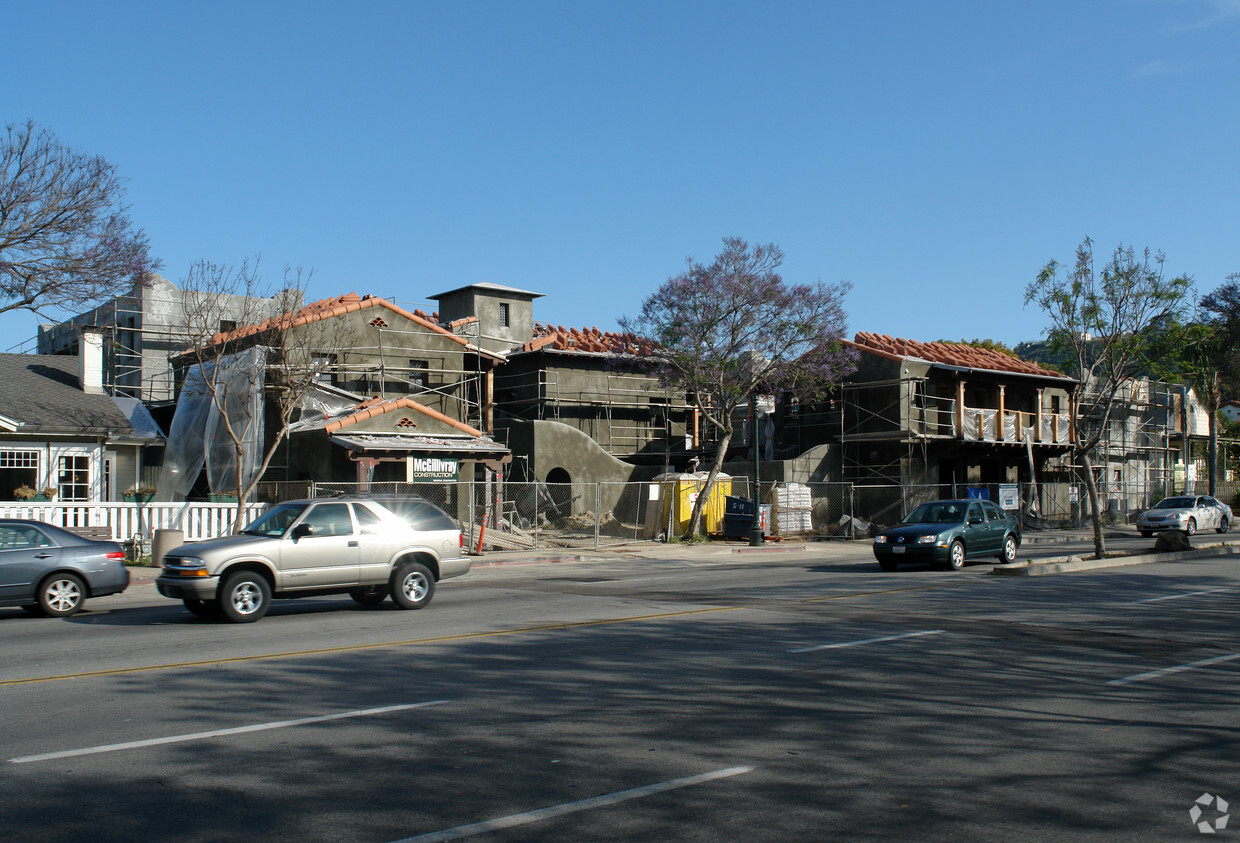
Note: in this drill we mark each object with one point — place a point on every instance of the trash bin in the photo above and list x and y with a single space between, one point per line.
737 517
164 541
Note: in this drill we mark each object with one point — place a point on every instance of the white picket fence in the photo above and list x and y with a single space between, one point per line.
129 520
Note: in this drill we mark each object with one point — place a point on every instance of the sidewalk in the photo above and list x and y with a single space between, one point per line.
740 549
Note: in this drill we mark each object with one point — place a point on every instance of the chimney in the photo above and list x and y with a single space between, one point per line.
90 361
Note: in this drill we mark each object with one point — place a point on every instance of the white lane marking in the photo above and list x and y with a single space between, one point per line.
1154 674
215 733
571 807
866 641
1178 596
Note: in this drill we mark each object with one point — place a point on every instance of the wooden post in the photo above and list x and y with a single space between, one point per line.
1037 424
1002 431
960 409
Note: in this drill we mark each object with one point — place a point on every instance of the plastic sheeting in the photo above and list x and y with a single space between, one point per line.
987 430
145 428
317 406
198 436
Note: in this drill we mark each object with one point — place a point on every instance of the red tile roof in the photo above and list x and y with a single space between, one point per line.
326 308
373 407
948 353
559 338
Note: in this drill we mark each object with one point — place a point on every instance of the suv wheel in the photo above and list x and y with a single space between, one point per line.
412 586
245 597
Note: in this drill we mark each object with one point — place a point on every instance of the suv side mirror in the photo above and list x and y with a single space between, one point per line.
303 530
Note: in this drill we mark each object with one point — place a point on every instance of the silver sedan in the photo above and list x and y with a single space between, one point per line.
1186 514
50 571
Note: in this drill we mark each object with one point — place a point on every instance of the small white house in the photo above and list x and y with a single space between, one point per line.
61 435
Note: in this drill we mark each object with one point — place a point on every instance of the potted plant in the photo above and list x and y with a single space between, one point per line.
48 493
24 493
141 494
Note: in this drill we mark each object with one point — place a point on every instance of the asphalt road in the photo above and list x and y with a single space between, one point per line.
697 696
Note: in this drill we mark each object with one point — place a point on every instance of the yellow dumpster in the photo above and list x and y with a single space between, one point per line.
677 494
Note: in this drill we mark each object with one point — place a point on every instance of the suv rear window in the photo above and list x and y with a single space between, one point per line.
421 515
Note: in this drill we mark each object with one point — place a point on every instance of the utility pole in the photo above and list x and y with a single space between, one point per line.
755 530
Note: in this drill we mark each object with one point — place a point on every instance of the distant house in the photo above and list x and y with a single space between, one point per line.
60 431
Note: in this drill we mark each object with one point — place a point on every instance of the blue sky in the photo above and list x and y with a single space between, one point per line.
935 154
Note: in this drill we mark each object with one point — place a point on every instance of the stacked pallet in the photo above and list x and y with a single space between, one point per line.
793 509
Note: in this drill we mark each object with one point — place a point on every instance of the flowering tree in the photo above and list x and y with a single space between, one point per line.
65 236
725 329
1111 324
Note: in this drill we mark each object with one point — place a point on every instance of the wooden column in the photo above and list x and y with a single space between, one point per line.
960 409
999 420
1037 424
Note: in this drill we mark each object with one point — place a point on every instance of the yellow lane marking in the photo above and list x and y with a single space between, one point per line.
291 654
352 648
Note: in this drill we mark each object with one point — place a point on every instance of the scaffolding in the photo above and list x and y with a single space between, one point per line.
609 410
885 425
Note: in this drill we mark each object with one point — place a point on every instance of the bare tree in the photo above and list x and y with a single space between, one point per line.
1108 324
723 330
250 367
65 234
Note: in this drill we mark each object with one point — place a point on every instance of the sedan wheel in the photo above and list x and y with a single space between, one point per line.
245 597
412 586
61 595
1191 527
955 556
1009 550
1222 525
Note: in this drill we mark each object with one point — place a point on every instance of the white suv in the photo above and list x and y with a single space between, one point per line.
305 548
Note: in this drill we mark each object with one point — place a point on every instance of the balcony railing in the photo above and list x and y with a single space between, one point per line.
982 425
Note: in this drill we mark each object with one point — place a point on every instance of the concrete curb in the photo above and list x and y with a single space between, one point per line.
1076 563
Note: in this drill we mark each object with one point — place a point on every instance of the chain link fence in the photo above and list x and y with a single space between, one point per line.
505 515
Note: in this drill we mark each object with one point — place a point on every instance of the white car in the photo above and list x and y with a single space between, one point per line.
1186 514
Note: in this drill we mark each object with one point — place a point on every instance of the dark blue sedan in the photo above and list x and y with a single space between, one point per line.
948 533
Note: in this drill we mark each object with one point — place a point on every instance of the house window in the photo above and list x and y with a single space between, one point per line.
505 320
18 468
73 481
418 370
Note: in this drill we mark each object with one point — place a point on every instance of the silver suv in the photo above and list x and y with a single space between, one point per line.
305 548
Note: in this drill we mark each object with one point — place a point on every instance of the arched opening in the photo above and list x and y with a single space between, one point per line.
559 493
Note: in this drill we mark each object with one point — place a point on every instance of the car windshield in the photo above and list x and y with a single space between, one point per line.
940 512
1175 503
276 521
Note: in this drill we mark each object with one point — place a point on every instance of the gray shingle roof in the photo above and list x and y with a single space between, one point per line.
43 393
